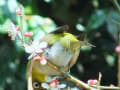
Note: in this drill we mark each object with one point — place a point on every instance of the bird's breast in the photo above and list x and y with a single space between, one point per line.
58 55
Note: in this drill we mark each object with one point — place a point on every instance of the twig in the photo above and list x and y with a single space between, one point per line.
115 2
30 76
21 22
119 64
106 87
70 77
29 83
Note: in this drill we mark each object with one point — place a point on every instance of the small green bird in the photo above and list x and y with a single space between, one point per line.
63 50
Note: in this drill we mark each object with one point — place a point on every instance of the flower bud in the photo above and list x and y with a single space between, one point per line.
17 28
92 82
18 12
28 34
117 49
43 61
54 83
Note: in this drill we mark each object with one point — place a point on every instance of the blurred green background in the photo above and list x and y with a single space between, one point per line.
96 18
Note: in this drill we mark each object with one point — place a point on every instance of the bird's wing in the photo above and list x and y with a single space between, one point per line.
61 29
81 37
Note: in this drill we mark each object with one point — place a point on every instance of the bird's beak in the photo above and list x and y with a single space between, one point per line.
82 43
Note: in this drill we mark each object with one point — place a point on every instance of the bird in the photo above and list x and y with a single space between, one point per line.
62 51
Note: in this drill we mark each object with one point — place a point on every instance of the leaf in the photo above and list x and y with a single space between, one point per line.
40 26
80 27
97 19
113 24
110 60
45 24
4 27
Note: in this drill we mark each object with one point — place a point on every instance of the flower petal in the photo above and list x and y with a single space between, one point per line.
43 45
55 89
19 35
39 51
29 49
31 56
12 31
61 85
45 85
74 88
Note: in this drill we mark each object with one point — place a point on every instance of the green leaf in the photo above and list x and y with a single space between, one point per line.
97 19
4 27
80 27
110 60
40 26
113 23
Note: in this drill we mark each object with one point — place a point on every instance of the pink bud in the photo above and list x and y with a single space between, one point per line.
57 79
92 82
117 49
18 12
112 85
54 83
17 28
43 61
28 34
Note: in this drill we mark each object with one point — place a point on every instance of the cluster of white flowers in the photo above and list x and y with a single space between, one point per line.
34 49
53 84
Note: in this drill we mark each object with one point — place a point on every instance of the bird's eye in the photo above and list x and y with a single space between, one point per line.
36 85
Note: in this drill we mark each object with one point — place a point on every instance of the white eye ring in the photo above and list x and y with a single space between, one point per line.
36 85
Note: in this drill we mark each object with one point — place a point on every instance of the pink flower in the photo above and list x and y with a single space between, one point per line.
92 81
14 32
117 49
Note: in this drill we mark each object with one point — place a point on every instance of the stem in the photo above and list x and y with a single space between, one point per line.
29 80
21 23
106 87
115 2
119 63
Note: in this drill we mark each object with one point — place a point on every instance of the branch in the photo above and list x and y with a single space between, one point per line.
79 82
70 77
29 79
106 87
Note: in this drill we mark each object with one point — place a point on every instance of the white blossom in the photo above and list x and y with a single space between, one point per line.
53 84
52 87
13 33
35 48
